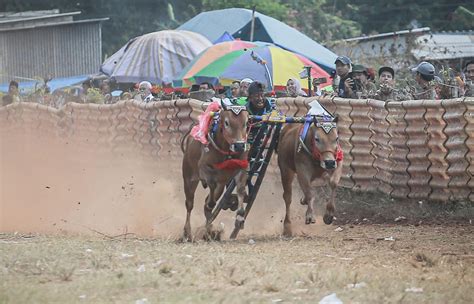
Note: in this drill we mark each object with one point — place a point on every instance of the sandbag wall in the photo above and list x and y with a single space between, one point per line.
421 149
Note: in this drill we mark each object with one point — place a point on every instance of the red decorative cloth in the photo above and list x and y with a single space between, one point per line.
232 164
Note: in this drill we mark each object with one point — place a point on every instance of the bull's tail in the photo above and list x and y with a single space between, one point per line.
184 139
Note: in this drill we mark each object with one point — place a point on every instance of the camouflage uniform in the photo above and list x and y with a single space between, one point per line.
366 91
427 92
387 93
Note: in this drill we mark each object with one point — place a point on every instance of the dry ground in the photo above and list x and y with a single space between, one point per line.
424 264
71 194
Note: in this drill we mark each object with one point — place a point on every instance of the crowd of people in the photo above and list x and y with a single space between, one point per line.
355 81
348 81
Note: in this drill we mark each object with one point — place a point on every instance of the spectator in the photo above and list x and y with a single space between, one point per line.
86 85
13 91
469 71
206 86
316 83
343 69
194 88
469 79
126 96
144 91
105 87
361 86
424 77
244 86
234 89
386 84
335 79
293 88
13 94
13 88
371 74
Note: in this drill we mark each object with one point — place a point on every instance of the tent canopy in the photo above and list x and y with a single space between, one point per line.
237 21
156 57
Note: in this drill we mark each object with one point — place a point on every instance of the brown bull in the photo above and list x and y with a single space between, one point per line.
216 163
316 156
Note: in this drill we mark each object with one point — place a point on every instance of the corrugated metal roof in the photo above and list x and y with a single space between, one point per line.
444 46
21 18
54 24
385 35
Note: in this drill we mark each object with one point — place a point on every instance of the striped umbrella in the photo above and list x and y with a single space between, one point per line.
281 65
157 57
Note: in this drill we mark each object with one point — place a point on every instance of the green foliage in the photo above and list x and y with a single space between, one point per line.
94 96
462 18
323 20
311 18
394 15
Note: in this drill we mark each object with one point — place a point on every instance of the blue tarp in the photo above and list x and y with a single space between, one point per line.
237 21
59 83
225 37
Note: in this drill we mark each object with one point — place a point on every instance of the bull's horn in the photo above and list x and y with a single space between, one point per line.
223 105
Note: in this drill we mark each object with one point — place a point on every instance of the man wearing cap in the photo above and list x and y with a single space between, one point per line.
244 86
360 86
386 89
256 104
343 68
424 76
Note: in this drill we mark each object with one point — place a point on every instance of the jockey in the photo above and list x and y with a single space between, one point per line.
256 102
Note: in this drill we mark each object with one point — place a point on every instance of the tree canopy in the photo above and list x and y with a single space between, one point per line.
322 20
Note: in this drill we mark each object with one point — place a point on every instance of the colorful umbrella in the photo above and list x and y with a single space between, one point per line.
157 57
281 65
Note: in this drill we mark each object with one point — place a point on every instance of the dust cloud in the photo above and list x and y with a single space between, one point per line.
54 185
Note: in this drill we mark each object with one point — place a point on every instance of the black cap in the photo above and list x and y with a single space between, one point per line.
255 87
343 60
387 69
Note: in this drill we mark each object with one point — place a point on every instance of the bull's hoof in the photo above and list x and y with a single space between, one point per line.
310 220
187 238
231 202
239 225
214 234
287 231
328 219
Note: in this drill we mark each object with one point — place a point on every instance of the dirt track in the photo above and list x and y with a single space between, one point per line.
59 188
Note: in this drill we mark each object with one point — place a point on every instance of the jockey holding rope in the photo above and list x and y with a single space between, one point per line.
256 103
